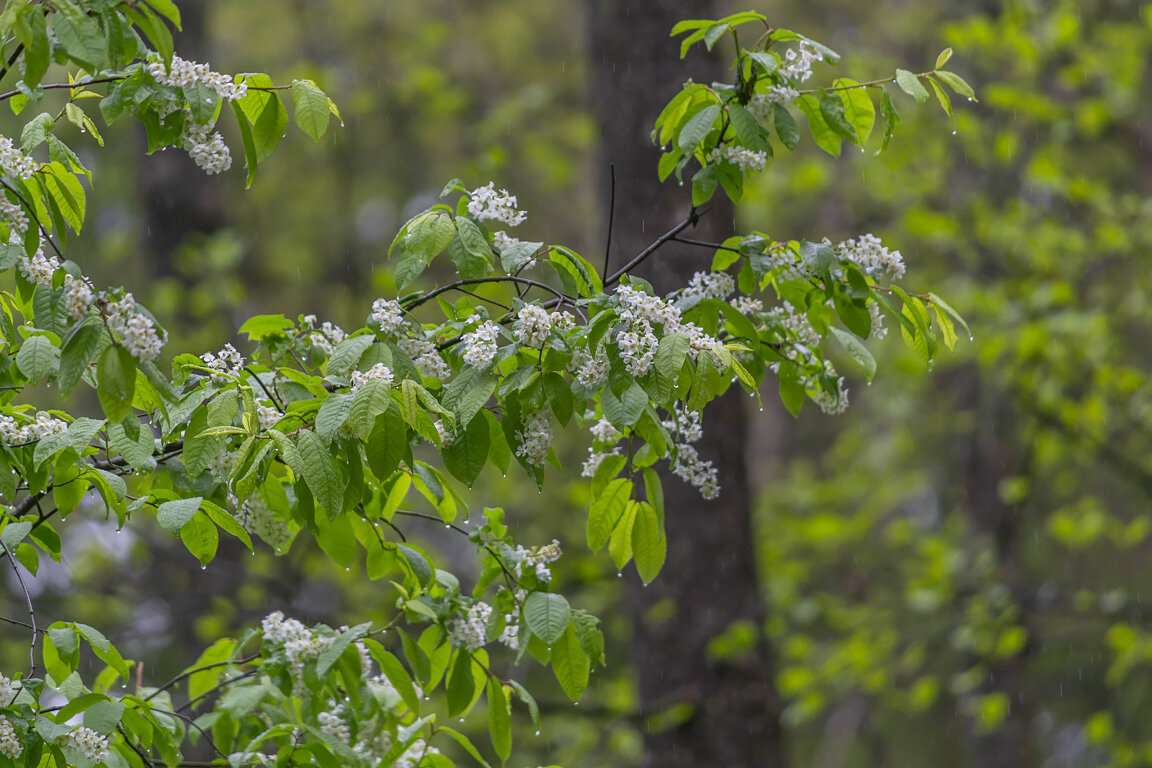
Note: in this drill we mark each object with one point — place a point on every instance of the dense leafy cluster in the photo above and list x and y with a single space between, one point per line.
322 432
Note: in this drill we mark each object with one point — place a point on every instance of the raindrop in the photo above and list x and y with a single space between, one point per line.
203 567
537 733
619 575
953 133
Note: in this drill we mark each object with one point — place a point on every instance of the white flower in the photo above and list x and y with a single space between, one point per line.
425 357
39 268
761 104
533 324
78 296
684 424
743 158
872 257
594 460
446 436
829 403
267 414
535 439
486 204
511 634
502 240
257 518
591 370
89 743
480 345
327 336
878 329
795 323
13 162
471 631
220 465
746 305
226 361
538 559
13 432
7 691
13 215
136 330
209 152
389 315
332 722
691 469
181 73
10 745
378 372
797 63
637 348
300 644
710 285
637 305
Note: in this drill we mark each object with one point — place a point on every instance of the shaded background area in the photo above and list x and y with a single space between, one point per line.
953 571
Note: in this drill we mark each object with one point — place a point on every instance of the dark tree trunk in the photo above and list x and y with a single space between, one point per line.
716 712
179 199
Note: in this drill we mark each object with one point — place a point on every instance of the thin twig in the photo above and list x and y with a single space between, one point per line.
60 86
31 610
190 672
478 280
32 214
705 244
270 395
12 60
689 221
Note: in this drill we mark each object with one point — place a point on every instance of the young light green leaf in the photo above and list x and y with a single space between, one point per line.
911 85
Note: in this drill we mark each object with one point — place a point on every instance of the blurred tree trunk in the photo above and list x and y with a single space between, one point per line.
179 199
701 711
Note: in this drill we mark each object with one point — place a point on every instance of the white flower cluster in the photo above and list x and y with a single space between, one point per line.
13 215
13 432
535 439
13 162
38 268
594 460
486 204
603 432
300 644
378 372
591 369
746 305
502 240
480 345
878 329
257 518
332 722
136 330
227 361
760 105
710 285
326 337
267 414
446 436
182 73
389 315
78 296
7 691
697 473
637 348
688 466
795 322
797 62
208 151
10 745
685 423
743 158
639 306
88 743
415 754
425 357
511 634
220 465
538 558
832 404
533 324
872 257
604 435
471 630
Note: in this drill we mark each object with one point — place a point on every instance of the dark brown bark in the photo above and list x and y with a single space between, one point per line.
729 715
180 201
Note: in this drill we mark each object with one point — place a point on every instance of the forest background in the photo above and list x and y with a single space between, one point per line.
952 570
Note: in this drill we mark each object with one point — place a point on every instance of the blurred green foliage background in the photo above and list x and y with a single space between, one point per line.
953 571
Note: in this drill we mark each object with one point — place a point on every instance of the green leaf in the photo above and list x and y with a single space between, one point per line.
174 515
332 415
956 318
268 128
251 158
469 250
697 127
825 138
911 85
466 455
832 110
792 392
785 126
649 545
567 261
624 411
320 472
104 716
461 684
941 96
200 537
748 130
857 350
547 614
499 718
79 351
891 117
14 533
605 512
620 544
116 376
81 39
37 358
570 664
513 256
262 326
958 84
463 741
311 108
858 109
942 59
